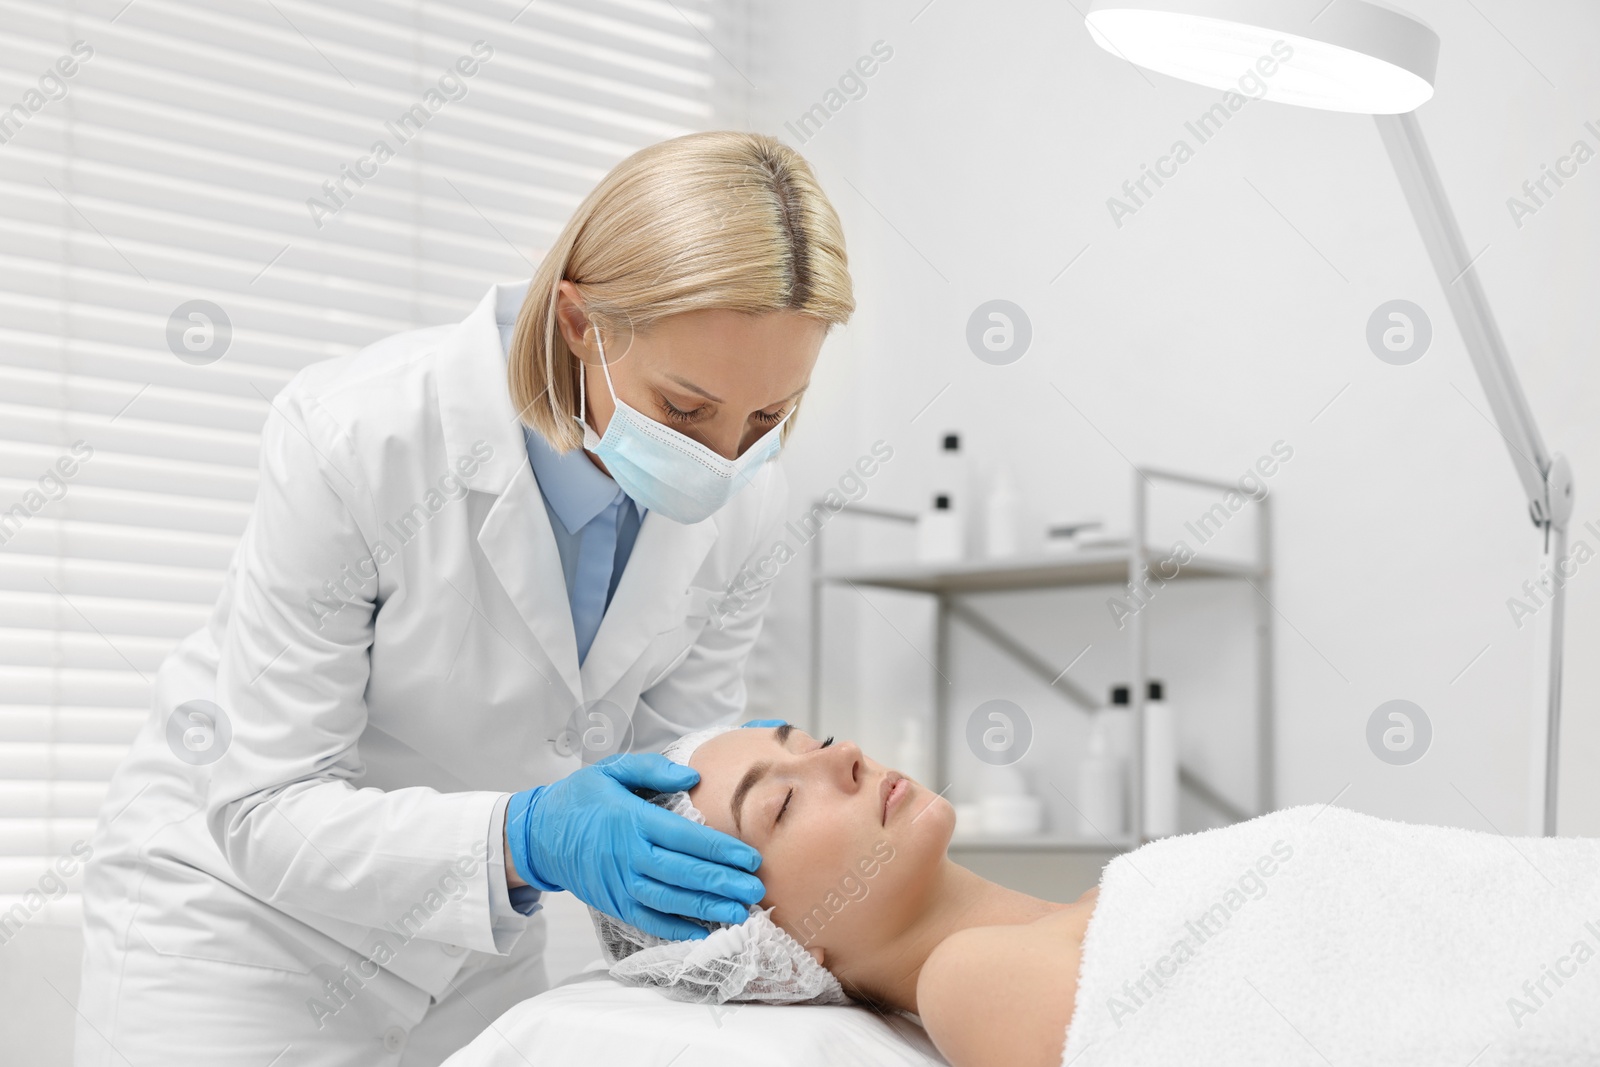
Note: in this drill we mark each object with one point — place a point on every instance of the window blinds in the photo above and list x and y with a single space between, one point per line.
195 205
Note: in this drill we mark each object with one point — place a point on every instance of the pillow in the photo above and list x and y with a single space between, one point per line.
595 1020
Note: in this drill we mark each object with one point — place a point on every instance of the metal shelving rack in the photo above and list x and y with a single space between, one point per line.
949 583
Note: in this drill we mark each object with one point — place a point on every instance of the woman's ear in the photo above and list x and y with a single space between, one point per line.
572 319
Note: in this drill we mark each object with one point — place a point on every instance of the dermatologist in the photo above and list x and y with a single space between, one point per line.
492 567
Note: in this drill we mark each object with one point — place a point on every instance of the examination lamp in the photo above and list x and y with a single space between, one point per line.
1358 56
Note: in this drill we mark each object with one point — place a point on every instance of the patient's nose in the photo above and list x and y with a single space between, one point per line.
846 764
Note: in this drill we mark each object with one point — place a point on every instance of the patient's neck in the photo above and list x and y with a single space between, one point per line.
955 899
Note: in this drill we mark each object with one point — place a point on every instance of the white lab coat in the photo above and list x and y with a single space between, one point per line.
393 651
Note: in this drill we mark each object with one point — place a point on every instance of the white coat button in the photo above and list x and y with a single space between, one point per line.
394 1039
453 950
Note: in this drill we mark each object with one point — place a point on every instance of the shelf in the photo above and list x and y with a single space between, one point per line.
1078 567
1087 567
1038 843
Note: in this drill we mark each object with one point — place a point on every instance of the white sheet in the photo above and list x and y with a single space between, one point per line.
594 1020
1316 935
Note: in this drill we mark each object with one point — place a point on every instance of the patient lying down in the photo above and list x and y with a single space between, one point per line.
856 871
1307 930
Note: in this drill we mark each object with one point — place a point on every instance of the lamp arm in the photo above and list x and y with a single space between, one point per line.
1546 479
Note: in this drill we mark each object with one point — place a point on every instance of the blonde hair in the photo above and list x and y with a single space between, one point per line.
715 220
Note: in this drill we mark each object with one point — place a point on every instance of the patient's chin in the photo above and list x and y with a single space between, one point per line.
932 822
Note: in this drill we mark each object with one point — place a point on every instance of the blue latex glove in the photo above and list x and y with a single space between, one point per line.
589 835
764 722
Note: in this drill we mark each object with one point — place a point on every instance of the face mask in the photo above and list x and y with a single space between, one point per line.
660 468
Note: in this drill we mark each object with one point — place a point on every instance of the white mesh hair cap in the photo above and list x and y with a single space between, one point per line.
756 960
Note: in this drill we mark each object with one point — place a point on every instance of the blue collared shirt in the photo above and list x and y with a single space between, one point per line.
588 511
595 524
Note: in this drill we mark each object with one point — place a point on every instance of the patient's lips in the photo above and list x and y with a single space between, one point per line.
891 791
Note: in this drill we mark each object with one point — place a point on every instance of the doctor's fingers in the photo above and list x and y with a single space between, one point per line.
701 876
662 924
672 831
675 900
648 770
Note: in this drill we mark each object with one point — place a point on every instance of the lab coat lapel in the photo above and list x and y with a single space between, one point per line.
517 540
475 409
651 599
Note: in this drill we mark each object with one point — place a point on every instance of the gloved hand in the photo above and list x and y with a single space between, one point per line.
589 835
764 722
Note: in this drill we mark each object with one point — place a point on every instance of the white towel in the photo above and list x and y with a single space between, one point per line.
1320 936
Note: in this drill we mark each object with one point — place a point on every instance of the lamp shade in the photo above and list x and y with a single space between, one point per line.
1337 55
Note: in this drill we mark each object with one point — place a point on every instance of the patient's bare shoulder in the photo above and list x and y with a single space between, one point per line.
1002 996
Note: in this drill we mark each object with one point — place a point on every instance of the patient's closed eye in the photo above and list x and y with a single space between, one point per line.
790 797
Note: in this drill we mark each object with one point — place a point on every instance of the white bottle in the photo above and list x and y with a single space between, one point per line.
952 476
1000 516
1117 717
940 537
1100 787
1160 778
1161 765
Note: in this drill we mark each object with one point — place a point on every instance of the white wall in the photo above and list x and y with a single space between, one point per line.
1222 317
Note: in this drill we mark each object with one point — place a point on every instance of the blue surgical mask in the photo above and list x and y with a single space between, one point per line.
660 468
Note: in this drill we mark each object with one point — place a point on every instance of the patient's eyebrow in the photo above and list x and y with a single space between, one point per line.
754 776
